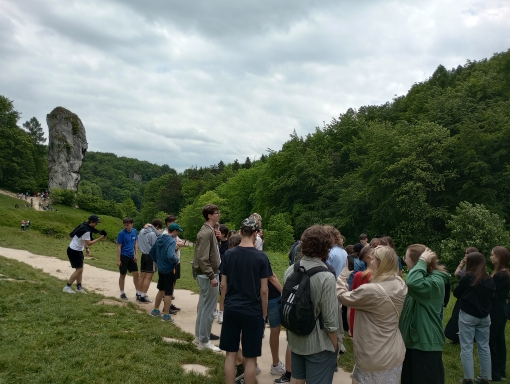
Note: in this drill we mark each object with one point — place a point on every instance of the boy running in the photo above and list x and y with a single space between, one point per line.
81 238
127 255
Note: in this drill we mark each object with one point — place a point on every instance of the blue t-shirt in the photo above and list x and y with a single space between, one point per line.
337 259
127 240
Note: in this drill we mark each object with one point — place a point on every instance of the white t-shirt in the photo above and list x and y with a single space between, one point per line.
78 243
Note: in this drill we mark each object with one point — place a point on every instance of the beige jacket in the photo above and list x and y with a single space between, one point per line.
207 256
378 344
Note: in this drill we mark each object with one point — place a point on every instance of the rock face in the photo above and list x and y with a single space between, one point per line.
67 145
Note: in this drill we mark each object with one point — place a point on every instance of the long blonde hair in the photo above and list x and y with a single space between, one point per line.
388 264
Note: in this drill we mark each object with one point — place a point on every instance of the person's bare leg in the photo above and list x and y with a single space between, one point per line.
296 381
230 368
239 358
274 344
75 275
80 276
146 281
288 360
250 370
122 279
136 280
157 300
166 305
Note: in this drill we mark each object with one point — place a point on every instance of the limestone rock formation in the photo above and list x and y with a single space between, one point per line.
67 145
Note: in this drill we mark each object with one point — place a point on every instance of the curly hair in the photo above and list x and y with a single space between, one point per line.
316 241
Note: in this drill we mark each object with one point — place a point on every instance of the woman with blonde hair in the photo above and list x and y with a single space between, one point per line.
379 349
420 323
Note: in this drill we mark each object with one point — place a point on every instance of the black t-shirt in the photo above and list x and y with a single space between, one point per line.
244 267
223 246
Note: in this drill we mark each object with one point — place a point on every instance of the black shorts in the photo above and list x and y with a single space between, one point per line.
147 265
166 283
75 257
128 264
245 328
178 271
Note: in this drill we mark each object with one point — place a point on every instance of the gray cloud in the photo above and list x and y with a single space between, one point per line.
192 83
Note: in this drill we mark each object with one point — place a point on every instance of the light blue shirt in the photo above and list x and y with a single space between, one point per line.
337 259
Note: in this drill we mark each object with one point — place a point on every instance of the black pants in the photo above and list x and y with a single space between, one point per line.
497 343
421 367
344 318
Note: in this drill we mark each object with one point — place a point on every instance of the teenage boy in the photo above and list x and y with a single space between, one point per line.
168 221
245 271
259 243
81 238
363 239
127 255
163 252
146 240
206 263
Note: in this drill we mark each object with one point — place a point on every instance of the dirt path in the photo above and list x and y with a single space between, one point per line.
106 283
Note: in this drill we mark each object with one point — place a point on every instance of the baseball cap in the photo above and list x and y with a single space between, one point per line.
94 219
250 223
175 226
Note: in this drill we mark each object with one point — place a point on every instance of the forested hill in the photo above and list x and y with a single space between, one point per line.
400 169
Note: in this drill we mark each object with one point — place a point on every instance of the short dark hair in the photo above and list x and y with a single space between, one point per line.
127 220
170 219
157 223
316 241
209 209
234 241
363 236
224 230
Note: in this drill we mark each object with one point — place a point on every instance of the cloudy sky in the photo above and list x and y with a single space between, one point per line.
192 82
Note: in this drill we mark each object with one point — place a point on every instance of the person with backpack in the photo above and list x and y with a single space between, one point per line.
475 288
312 333
379 349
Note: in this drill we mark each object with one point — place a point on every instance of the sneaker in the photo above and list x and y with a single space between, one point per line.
68 289
156 313
215 313
138 297
196 341
172 312
81 290
278 369
240 374
208 345
258 370
220 317
283 379
166 317
144 300
212 336
341 348
123 296
174 307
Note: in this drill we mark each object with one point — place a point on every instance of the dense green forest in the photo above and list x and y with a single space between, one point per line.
429 167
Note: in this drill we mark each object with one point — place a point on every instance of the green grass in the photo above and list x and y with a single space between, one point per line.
451 353
50 337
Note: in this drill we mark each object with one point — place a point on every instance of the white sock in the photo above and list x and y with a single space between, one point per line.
142 294
122 292
138 292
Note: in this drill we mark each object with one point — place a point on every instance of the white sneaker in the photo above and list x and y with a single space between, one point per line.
81 290
68 289
279 369
196 341
215 313
220 317
208 345
258 370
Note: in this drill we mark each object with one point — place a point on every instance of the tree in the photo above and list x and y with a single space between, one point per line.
236 166
34 129
247 163
279 235
472 225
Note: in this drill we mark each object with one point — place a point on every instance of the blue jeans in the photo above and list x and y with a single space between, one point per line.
273 312
470 328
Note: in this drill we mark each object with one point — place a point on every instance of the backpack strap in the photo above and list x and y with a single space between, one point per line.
314 270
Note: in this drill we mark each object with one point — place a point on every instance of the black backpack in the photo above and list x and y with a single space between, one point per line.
297 309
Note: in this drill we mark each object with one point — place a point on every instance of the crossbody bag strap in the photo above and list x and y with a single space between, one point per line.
389 298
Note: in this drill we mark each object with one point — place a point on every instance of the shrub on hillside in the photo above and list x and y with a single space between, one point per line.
472 226
52 229
279 235
63 196
99 206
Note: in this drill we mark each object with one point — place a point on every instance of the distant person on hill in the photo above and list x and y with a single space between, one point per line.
206 263
81 238
27 225
146 239
127 255
23 225
163 251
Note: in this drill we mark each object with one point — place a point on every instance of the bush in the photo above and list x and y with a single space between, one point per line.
472 226
99 206
279 235
63 196
52 229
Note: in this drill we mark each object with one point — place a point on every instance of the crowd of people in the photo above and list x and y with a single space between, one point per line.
328 290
